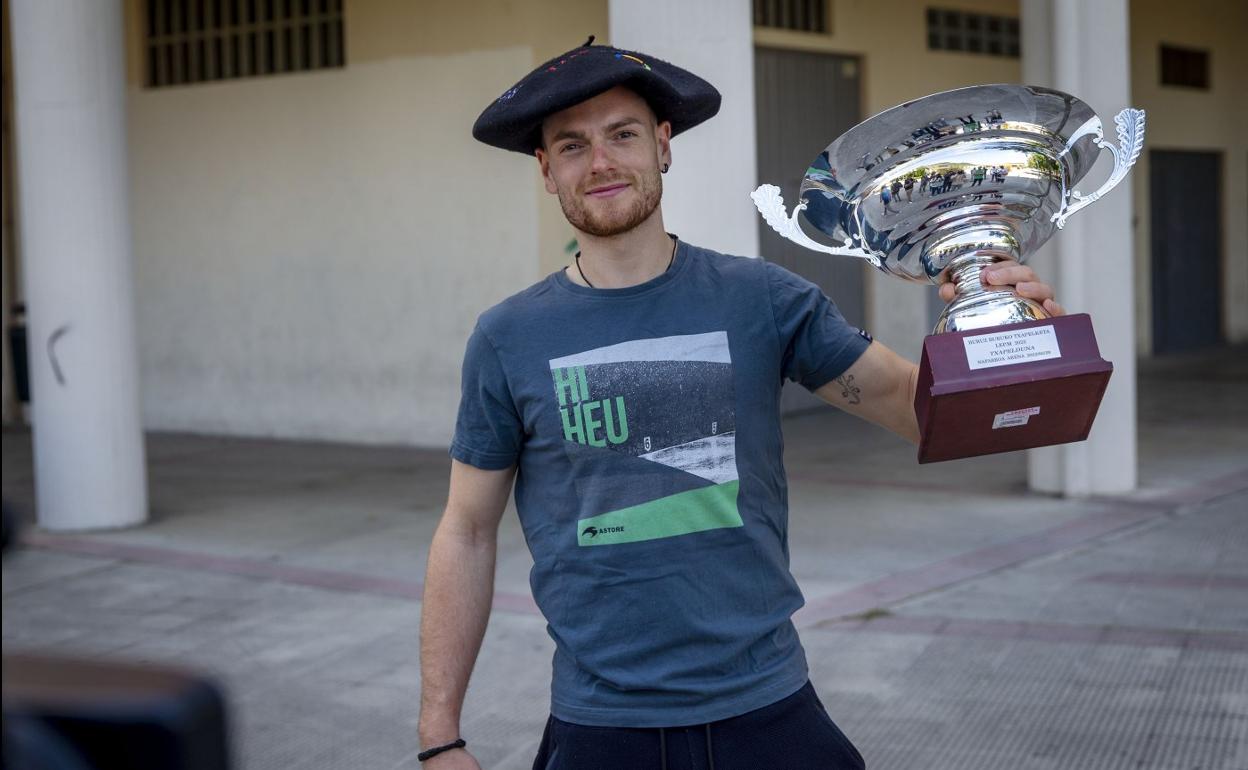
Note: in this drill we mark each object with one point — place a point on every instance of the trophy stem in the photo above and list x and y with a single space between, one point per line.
977 306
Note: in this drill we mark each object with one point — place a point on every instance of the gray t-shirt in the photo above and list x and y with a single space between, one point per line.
646 425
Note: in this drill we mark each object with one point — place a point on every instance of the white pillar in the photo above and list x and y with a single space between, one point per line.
1083 48
706 195
69 97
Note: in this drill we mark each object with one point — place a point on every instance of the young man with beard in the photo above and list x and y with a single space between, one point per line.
633 397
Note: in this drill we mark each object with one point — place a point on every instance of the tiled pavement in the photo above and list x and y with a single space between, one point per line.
954 621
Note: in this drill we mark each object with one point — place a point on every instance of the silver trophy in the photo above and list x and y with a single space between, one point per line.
957 180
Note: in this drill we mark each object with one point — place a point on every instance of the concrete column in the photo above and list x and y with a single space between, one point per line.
706 195
1083 48
69 89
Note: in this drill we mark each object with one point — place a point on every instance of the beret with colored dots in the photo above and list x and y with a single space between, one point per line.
514 120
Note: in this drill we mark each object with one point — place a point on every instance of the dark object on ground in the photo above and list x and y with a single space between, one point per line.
112 715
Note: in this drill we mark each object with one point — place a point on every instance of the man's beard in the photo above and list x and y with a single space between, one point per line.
604 224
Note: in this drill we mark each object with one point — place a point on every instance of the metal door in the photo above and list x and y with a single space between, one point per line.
1186 209
804 101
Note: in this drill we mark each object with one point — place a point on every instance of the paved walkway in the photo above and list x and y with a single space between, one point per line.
953 619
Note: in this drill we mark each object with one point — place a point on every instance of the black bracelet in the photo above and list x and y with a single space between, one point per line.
458 743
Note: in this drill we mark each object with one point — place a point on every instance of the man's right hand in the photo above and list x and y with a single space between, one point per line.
455 608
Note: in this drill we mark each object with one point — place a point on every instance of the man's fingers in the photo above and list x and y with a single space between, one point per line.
1007 274
1034 290
1029 289
1053 308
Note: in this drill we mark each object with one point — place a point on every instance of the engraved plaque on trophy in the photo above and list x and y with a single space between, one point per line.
956 182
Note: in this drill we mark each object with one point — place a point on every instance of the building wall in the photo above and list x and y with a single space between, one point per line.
313 249
1187 119
381 29
891 41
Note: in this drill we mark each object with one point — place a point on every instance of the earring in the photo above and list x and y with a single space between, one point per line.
666 166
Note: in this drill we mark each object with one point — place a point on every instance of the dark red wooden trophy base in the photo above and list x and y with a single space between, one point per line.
1032 403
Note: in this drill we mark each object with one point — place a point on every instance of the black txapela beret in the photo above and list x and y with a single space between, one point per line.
514 120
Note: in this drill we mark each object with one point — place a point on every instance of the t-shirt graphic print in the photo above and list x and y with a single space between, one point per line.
666 406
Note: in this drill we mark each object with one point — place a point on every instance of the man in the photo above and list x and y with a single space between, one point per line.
634 399
887 199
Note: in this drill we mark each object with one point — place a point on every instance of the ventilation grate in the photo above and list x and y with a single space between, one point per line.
197 41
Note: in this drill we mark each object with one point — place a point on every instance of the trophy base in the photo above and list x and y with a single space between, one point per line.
1010 387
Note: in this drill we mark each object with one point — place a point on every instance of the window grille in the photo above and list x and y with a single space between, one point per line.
197 41
1186 67
799 15
972 33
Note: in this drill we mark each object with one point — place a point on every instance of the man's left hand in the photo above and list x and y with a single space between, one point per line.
1011 273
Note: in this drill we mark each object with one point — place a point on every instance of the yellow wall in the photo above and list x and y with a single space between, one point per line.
312 249
1187 119
397 28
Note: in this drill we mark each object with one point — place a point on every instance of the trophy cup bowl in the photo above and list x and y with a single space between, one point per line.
957 181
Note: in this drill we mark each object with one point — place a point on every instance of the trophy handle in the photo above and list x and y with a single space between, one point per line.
1130 141
771 205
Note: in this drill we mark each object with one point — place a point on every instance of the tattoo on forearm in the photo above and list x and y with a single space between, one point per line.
849 391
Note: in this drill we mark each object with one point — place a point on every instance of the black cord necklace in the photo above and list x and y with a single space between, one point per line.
590 285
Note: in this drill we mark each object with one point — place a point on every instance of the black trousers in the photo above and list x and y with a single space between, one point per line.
792 734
